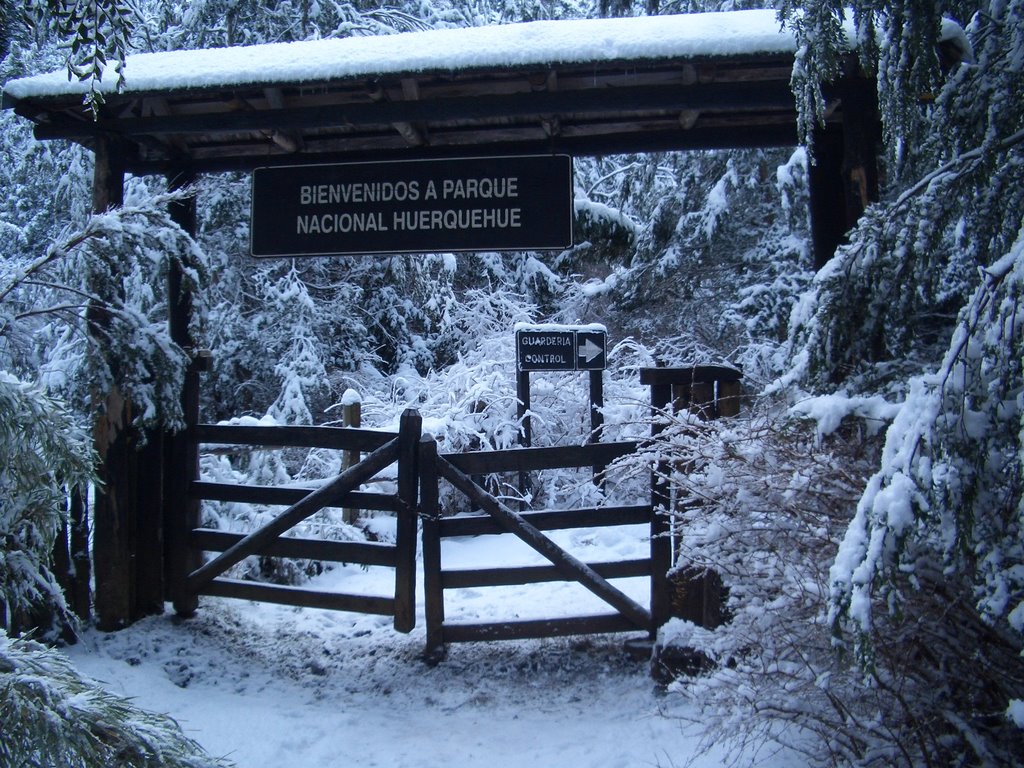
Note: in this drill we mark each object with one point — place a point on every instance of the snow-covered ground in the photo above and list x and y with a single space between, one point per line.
270 686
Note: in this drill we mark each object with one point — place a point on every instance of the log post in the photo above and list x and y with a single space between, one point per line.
525 430
826 199
409 432
149 527
430 516
661 509
113 438
181 512
597 419
843 179
351 416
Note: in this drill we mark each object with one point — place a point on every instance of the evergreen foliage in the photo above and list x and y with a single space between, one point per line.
43 451
922 306
50 715
97 35
890 302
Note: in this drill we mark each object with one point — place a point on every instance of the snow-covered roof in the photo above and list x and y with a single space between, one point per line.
577 87
702 35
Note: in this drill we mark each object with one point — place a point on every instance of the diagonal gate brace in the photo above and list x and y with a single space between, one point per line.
565 563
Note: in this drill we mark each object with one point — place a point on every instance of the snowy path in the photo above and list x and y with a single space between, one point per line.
270 686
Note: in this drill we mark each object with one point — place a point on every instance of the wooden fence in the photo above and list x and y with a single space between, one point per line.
497 518
382 449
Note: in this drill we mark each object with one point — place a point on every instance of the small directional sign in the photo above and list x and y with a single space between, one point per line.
590 350
551 348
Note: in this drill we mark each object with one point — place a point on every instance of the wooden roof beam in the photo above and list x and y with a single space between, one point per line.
410 92
247 157
289 141
724 96
551 124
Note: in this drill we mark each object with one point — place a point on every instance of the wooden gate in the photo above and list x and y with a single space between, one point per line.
497 517
383 449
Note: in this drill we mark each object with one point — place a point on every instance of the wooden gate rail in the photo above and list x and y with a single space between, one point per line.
528 526
335 438
534 459
385 449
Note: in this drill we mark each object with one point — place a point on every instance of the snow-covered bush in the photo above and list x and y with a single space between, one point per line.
763 502
42 453
50 715
922 306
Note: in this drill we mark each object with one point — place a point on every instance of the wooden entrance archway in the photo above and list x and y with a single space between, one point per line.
582 87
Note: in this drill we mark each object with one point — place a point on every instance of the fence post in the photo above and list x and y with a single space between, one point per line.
351 416
430 515
409 431
661 511
184 512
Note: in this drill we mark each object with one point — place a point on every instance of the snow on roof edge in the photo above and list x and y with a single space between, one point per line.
716 34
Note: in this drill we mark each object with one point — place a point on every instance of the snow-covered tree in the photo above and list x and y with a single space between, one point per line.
51 715
921 306
933 268
43 452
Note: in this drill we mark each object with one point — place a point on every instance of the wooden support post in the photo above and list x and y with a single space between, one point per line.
827 201
182 512
860 137
661 508
526 430
596 404
405 538
844 177
149 527
597 419
523 409
351 416
430 517
116 497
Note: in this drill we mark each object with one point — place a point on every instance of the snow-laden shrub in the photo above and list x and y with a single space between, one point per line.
764 502
42 452
52 716
924 303
949 495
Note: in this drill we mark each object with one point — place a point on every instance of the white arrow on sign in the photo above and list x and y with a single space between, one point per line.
589 351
